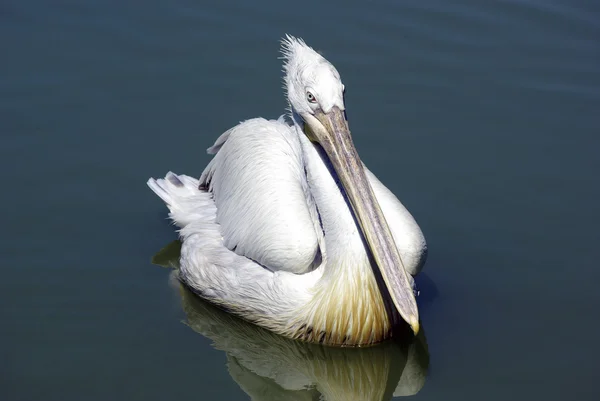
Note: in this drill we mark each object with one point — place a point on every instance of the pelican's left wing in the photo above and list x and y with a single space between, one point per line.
264 208
406 232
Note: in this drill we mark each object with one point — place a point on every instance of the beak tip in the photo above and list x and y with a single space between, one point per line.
414 323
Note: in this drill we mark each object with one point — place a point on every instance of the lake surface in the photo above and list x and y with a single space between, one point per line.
482 116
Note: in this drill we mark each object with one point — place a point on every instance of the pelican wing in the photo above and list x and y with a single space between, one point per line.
406 232
264 208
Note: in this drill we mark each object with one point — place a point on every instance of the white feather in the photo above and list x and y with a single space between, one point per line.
257 178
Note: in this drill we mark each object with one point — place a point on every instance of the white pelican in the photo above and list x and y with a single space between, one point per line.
289 230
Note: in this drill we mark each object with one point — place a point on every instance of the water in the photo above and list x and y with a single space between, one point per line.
481 116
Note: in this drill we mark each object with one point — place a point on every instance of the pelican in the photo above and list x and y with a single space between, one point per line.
289 230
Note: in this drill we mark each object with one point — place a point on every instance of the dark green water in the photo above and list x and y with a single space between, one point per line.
482 116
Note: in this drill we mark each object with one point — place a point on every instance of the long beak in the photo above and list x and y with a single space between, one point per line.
331 131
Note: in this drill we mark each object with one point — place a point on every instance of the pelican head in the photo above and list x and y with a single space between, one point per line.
316 97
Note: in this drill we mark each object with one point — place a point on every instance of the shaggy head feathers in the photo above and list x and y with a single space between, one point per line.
307 71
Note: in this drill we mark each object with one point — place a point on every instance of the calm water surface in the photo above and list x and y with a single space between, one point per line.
482 116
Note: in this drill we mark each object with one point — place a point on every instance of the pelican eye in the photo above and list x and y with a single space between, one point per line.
311 98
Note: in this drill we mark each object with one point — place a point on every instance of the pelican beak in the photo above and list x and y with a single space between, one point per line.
331 131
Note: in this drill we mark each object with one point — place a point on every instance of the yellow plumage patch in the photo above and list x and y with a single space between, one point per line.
346 309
